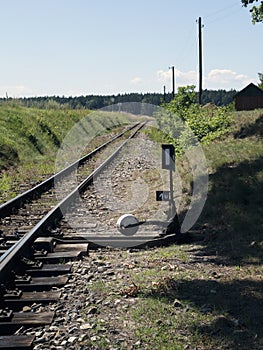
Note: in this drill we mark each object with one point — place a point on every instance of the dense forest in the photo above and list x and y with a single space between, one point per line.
217 97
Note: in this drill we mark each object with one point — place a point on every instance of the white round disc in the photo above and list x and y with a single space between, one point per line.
126 220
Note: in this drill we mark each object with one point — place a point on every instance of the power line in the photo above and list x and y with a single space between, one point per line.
223 15
190 42
215 13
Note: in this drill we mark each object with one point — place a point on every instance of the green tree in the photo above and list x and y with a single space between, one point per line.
185 121
256 10
260 76
185 97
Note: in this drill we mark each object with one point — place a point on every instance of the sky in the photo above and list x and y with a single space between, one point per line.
105 47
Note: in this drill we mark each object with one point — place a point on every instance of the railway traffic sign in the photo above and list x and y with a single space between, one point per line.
168 157
163 196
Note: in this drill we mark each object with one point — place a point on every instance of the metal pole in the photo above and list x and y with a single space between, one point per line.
174 225
173 81
172 203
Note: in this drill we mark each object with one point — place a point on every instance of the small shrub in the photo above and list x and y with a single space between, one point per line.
188 123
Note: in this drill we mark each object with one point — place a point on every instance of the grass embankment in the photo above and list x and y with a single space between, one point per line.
233 211
31 137
207 295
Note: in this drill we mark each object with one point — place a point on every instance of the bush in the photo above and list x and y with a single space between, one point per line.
189 123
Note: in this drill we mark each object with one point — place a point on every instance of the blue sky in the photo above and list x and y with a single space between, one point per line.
81 47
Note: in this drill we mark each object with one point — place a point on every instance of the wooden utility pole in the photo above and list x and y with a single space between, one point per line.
164 93
173 80
200 60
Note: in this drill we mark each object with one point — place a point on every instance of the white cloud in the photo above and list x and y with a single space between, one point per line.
164 76
182 78
15 91
226 79
215 79
136 81
186 78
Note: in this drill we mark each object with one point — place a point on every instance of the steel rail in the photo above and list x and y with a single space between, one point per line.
22 247
17 202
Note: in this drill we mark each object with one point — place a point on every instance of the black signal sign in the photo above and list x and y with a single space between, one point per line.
168 157
162 196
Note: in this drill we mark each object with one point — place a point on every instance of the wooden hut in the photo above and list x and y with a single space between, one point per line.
251 97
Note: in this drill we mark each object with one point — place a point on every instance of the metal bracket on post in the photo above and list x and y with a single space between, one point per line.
168 162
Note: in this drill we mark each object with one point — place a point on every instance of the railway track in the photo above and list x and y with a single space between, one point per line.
20 214
14 204
36 255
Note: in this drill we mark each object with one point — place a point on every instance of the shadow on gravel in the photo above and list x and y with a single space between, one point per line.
232 216
237 310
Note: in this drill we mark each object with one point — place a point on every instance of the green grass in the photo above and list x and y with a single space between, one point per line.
234 208
178 304
186 305
160 325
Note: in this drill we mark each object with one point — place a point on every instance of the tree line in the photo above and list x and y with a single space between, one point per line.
93 102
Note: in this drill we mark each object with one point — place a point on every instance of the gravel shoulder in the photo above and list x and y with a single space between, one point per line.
188 296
